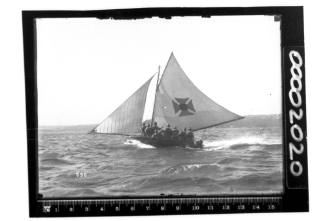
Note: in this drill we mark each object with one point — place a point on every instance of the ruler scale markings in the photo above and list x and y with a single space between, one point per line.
167 205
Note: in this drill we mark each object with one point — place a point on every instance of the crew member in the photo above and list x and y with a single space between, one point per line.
160 133
175 132
155 135
155 127
168 131
143 129
190 133
148 130
190 137
182 136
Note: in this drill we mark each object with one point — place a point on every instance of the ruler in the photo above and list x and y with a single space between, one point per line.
157 206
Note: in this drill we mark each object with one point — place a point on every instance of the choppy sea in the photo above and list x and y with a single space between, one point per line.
244 157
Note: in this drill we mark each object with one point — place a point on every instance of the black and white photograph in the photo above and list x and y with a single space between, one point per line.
156 106
149 110
165 111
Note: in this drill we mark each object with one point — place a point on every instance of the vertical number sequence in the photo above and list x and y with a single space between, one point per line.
295 113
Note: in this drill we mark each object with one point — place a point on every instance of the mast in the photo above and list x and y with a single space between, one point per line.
155 97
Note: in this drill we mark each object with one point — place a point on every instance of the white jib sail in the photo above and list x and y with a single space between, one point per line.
180 103
127 118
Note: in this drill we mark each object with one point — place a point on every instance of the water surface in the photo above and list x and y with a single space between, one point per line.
240 157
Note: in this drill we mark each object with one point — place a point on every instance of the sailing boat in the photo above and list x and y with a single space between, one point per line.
178 102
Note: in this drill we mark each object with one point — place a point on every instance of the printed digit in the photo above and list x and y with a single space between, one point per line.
294 149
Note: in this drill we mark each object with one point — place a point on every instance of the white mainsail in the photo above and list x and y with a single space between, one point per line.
127 118
180 103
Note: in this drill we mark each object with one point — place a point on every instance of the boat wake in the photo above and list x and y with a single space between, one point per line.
250 143
138 144
238 143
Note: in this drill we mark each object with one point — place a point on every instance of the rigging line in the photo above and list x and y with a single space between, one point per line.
213 125
155 96
145 97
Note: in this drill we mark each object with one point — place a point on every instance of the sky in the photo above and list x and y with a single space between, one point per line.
87 67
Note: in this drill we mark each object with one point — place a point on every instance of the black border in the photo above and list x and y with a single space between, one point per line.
295 198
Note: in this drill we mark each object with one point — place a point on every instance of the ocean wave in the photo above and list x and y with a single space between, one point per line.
257 180
191 168
175 183
55 161
238 143
229 160
49 155
64 192
46 167
245 161
138 144
101 146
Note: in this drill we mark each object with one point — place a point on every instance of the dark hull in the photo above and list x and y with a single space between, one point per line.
166 142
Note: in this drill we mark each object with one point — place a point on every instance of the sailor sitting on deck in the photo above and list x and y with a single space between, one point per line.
190 137
168 132
175 133
182 136
143 129
157 133
190 133
155 127
148 131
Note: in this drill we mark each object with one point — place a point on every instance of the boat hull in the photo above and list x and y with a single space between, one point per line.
166 142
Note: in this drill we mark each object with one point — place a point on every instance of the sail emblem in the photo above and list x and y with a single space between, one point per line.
183 106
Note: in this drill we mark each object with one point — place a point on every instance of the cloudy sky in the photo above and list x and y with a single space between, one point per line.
88 67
